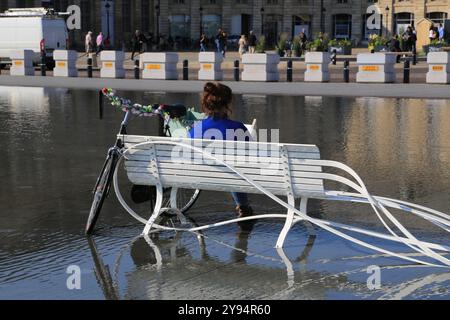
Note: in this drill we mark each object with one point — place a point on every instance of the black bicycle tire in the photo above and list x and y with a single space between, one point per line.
189 205
97 202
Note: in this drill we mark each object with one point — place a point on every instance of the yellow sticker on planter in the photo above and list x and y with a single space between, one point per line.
438 68
207 66
370 68
314 67
108 65
61 64
18 63
153 66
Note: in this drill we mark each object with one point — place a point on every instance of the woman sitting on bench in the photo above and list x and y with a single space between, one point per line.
216 104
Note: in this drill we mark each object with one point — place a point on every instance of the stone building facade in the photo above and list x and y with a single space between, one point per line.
185 19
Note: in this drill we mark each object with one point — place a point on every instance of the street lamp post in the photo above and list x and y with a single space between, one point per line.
321 16
387 21
262 21
107 7
201 20
157 9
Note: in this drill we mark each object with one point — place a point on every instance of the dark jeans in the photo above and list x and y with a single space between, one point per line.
241 199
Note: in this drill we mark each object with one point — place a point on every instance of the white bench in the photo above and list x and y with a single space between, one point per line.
292 170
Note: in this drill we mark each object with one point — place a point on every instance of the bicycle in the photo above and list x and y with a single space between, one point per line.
186 197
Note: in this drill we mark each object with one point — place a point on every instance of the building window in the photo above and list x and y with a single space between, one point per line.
402 21
367 32
301 23
180 27
342 1
342 26
211 24
437 17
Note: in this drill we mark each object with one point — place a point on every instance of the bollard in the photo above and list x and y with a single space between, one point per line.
89 67
100 104
414 58
346 71
372 50
334 57
137 70
289 71
185 70
43 64
236 70
406 70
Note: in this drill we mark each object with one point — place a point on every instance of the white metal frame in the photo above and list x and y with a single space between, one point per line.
293 215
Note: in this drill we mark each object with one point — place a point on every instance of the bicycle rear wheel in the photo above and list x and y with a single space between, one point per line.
101 192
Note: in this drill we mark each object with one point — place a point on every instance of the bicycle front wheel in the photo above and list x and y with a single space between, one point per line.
101 192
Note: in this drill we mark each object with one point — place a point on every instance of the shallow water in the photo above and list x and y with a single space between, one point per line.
53 147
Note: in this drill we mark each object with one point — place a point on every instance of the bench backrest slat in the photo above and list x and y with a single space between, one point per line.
261 162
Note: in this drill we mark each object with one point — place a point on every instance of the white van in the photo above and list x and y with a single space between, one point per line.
32 29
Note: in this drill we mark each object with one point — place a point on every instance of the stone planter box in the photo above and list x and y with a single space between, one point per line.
160 65
260 67
210 66
65 63
22 63
438 67
376 67
317 66
343 50
112 64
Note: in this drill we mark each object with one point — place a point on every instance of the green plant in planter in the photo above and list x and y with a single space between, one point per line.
376 41
319 44
437 43
261 45
281 44
296 46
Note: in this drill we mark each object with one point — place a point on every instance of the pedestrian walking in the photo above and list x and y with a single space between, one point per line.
441 32
203 42
218 40
99 42
89 43
138 42
224 40
242 45
432 33
252 42
303 41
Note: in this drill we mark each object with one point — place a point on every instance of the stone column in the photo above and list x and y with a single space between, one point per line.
195 19
164 18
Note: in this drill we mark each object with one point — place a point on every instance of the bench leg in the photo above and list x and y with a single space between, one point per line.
156 210
287 224
290 220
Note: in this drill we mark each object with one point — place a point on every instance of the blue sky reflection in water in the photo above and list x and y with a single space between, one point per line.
54 145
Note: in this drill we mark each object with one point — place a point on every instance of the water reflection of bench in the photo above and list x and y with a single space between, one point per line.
292 170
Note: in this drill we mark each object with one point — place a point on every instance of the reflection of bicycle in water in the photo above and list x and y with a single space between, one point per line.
171 117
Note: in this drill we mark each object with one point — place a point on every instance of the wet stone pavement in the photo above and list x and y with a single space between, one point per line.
54 145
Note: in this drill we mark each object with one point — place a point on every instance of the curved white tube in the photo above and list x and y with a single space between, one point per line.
411 241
